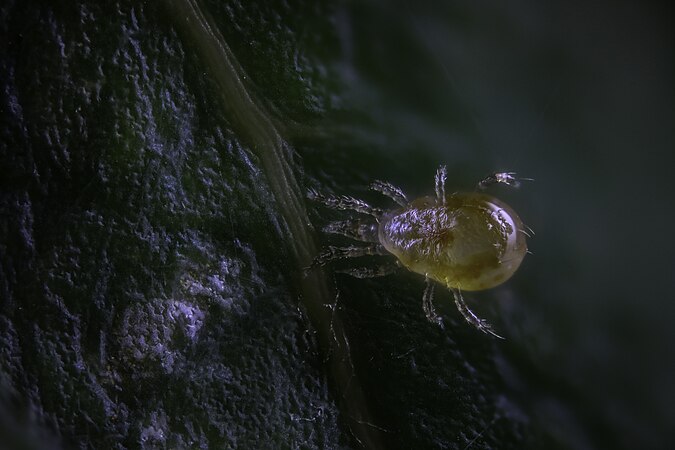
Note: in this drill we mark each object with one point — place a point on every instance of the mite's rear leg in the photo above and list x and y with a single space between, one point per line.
344 202
368 272
470 317
441 176
390 191
507 178
428 303
355 229
332 253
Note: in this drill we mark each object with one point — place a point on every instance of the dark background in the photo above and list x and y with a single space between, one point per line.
149 296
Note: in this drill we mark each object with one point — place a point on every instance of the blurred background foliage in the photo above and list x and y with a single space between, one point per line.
150 296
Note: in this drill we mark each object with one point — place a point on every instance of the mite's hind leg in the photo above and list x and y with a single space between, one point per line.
355 229
390 191
441 176
332 253
470 317
344 202
507 178
428 303
368 272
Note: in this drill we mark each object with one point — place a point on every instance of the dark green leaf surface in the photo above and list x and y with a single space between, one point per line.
154 231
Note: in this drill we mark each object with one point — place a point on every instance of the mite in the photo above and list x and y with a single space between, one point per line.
467 241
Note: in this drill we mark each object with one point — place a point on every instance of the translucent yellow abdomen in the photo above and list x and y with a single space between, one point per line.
472 242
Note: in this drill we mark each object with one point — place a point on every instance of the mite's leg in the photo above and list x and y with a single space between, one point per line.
355 229
367 272
332 253
344 202
390 191
441 176
428 303
507 178
470 317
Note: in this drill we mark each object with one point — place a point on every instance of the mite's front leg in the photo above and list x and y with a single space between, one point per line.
355 229
507 178
344 202
370 272
390 191
333 253
441 176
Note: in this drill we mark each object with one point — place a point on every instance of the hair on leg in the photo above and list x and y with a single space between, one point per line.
370 272
439 181
470 317
507 178
332 253
428 303
391 191
344 202
355 229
